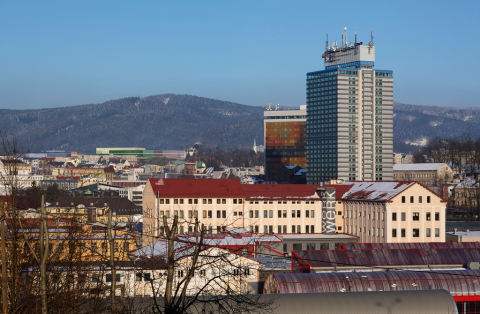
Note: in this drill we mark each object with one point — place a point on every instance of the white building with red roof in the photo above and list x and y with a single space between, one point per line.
376 212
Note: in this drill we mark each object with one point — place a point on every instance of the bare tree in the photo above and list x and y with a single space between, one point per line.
194 270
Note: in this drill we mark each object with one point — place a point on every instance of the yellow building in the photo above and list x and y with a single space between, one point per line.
92 209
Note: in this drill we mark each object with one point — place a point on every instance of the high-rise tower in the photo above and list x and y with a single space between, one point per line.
349 116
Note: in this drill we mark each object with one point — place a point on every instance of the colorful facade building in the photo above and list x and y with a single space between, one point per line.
285 140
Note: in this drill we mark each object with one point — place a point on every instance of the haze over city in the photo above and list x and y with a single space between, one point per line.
71 53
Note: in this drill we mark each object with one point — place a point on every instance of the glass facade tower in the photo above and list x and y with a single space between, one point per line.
285 140
349 117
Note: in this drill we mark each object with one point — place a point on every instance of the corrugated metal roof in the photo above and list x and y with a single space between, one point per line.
456 282
378 257
417 167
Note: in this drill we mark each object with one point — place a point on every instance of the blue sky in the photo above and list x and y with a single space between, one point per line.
64 53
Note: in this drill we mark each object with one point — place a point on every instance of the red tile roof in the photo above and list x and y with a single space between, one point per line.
197 187
280 191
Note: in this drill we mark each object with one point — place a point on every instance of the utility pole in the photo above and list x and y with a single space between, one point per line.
3 219
44 246
112 261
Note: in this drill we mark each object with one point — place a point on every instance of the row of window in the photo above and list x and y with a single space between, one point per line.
416 233
60 248
179 273
283 229
283 202
416 216
412 199
282 214
310 246
196 200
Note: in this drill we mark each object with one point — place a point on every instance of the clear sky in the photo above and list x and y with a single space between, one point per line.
63 53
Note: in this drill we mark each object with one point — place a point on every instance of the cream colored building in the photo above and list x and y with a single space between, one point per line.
217 271
394 212
223 203
402 159
372 211
429 174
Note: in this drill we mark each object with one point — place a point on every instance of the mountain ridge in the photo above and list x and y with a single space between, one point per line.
171 121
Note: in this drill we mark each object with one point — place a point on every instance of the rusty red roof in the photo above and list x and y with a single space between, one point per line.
197 187
376 191
340 189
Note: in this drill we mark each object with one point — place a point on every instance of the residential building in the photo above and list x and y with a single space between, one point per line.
64 185
467 194
285 140
91 209
402 159
217 270
134 194
429 174
349 116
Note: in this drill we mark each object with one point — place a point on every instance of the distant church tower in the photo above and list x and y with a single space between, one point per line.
255 146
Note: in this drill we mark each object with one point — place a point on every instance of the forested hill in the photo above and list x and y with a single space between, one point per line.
158 122
416 124
169 121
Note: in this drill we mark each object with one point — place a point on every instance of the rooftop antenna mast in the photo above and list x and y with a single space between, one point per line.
356 36
370 44
344 37
326 44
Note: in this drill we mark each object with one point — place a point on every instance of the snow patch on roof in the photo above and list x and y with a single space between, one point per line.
375 191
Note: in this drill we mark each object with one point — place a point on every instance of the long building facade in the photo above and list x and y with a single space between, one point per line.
349 116
374 212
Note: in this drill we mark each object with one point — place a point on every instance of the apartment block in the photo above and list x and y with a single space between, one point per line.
349 116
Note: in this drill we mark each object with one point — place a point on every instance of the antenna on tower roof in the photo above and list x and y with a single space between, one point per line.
370 44
344 37
356 36
326 44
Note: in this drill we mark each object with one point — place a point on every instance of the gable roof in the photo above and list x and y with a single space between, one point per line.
196 187
280 191
418 167
378 191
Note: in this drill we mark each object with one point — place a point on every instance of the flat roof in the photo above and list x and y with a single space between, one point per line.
465 234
